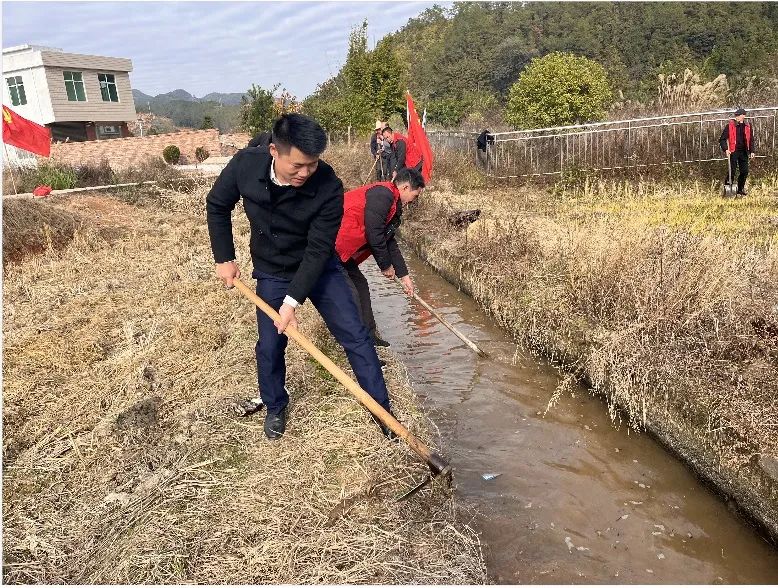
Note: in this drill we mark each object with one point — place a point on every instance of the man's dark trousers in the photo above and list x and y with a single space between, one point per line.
739 160
333 298
361 291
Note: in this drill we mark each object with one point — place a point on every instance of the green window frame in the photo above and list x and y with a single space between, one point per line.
108 87
16 90
74 86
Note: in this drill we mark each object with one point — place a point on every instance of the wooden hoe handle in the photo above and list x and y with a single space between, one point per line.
436 462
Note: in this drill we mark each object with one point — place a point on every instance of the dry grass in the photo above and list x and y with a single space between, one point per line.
664 297
122 461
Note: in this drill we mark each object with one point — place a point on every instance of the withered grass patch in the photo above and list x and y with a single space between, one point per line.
123 462
664 297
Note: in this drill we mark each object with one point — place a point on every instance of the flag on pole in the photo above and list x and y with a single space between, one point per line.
25 134
417 137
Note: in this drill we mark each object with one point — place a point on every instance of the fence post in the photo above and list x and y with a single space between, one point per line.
629 144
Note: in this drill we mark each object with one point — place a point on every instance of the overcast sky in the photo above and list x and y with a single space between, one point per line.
206 47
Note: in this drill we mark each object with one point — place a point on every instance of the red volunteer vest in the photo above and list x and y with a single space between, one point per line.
732 141
351 236
412 155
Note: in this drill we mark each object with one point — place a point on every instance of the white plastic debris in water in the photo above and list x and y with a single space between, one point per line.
569 544
660 555
490 476
622 517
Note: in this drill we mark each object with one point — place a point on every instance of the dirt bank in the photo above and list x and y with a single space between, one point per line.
663 299
122 461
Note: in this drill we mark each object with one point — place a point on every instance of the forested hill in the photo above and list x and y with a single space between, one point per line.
486 45
467 57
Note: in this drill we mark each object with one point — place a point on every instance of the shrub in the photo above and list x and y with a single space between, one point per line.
171 154
57 175
201 154
99 174
559 89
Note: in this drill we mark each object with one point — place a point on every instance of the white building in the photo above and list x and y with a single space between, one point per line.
79 97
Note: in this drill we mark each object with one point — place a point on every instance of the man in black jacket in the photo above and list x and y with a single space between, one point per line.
294 203
737 142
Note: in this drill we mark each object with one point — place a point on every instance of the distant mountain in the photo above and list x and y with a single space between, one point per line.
230 99
141 99
177 95
188 111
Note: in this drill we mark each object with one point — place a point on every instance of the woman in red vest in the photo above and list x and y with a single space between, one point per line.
737 141
371 215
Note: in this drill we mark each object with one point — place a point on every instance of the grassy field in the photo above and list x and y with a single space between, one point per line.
122 460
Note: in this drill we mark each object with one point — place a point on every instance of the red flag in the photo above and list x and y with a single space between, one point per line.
418 137
25 134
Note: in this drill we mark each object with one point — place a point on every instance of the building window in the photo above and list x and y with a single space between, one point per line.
108 87
16 89
74 86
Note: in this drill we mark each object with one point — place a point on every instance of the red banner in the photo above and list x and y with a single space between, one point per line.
25 134
418 137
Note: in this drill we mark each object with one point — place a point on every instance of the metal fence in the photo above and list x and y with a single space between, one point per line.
617 145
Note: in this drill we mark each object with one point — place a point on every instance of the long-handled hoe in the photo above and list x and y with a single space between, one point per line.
449 326
439 467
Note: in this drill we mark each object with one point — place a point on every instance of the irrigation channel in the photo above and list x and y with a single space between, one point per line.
577 499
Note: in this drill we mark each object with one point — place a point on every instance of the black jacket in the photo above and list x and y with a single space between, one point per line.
292 238
380 234
374 145
261 140
483 139
740 137
399 149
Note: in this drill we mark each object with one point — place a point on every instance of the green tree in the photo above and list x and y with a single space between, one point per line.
257 109
559 89
368 86
207 122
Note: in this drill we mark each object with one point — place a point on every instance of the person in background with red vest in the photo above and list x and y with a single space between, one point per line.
371 216
405 154
737 141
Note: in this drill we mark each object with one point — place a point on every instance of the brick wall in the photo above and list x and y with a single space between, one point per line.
129 151
231 142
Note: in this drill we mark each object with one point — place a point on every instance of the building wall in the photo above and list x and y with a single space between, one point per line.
94 109
134 151
38 108
42 70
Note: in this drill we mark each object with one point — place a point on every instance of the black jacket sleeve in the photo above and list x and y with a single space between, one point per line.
399 155
398 261
752 148
219 204
321 240
374 145
378 203
724 139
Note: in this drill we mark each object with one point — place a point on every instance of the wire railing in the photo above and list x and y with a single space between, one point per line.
617 145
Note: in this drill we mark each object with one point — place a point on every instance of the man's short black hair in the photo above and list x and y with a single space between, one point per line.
410 176
387 128
298 130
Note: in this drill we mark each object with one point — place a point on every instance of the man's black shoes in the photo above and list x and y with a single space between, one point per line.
380 342
387 432
275 425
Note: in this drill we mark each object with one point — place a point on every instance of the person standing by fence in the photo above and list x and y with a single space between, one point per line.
405 154
737 141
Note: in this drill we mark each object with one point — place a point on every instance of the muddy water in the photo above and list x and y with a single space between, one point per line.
577 500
